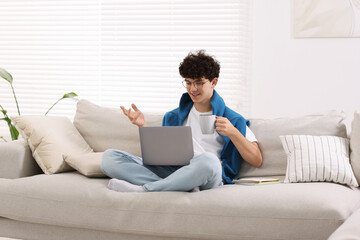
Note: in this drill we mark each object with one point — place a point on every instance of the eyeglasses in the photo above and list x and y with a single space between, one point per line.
197 84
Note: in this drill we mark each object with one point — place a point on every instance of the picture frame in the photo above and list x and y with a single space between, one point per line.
326 18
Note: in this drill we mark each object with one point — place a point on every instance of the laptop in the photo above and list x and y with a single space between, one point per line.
169 146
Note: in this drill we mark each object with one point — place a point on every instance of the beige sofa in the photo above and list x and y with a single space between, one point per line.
69 204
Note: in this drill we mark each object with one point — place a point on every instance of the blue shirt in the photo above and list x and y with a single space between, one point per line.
230 157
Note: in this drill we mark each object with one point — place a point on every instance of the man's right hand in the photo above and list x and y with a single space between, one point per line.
136 117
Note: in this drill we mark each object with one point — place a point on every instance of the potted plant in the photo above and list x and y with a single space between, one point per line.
13 131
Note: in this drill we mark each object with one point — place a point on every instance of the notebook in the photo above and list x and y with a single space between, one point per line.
169 146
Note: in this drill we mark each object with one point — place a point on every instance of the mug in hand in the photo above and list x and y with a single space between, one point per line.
207 123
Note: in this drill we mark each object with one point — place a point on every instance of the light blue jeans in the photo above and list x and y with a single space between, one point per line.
204 171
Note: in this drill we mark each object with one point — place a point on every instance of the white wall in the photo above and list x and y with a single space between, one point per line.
293 77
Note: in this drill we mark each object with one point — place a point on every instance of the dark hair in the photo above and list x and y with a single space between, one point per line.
198 65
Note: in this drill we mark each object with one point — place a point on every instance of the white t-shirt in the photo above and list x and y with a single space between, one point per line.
213 143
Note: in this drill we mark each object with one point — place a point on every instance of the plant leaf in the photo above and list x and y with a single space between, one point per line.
67 95
6 75
8 120
70 95
14 132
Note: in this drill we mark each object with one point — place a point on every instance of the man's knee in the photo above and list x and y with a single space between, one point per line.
211 166
210 162
112 157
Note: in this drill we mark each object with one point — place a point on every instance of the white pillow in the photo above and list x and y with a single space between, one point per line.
318 158
49 138
88 164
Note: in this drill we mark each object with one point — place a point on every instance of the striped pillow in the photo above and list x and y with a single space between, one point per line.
318 159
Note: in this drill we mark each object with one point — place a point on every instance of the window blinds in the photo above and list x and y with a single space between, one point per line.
117 52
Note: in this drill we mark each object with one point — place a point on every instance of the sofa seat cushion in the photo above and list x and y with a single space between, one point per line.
276 211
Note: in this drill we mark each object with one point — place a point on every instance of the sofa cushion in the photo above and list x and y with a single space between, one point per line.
104 127
23 230
318 159
49 138
278 211
88 164
355 145
267 132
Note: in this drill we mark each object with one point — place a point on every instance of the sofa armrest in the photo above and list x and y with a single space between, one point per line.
349 229
16 160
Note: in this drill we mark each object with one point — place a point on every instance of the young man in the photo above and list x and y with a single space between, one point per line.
217 157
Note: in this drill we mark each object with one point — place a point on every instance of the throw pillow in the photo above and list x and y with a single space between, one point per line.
267 132
88 164
49 138
318 158
355 145
105 127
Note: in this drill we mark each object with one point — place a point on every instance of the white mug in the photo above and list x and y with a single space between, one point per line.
207 123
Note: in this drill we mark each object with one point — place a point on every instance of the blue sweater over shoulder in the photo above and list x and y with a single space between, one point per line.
230 157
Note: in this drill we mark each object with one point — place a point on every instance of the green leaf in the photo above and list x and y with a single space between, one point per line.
4 112
14 132
6 75
8 120
67 95
70 95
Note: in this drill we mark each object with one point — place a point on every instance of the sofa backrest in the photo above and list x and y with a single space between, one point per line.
104 128
267 132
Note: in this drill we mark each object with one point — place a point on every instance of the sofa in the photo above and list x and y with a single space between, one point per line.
52 187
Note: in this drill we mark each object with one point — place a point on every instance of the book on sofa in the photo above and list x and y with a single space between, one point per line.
256 180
